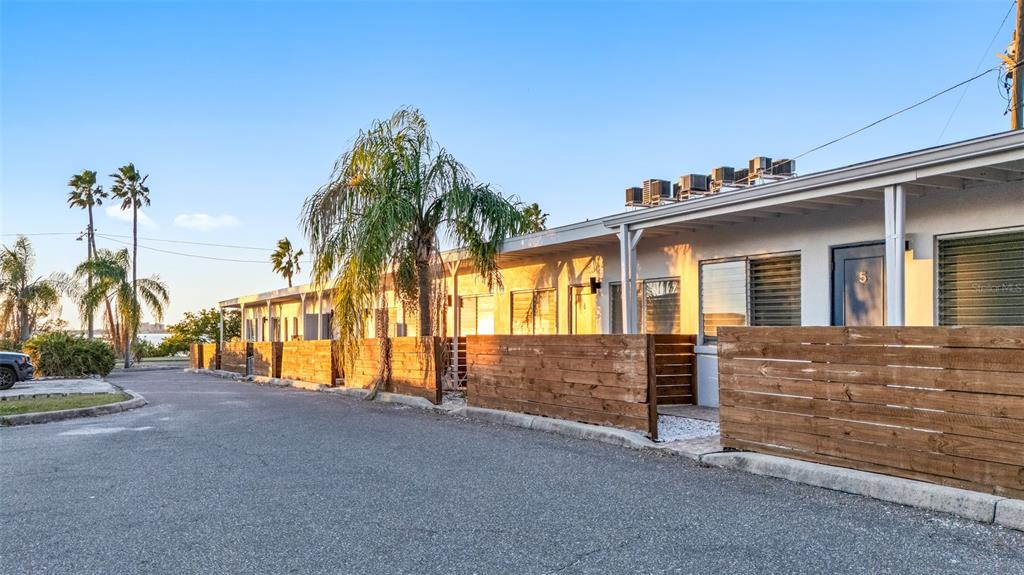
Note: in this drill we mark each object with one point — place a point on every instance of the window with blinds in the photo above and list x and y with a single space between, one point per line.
723 296
775 290
750 291
476 317
981 279
534 312
658 306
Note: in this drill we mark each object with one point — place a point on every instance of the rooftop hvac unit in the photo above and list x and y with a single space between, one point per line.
784 167
741 176
657 191
760 165
723 175
690 184
634 196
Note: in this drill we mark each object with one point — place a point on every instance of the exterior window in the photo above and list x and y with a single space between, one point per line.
535 312
749 291
981 279
295 328
658 306
476 317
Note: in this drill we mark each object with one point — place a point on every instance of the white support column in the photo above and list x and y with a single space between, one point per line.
320 315
895 230
243 332
634 324
302 314
624 269
220 336
270 321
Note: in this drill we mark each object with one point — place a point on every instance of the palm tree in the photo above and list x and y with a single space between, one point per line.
286 260
392 199
115 281
130 187
537 221
85 194
24 300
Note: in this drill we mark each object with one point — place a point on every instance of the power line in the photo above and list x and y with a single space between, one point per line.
208 244
110 238
901 111
981 61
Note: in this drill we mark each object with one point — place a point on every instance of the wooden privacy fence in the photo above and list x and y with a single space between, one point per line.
417 365
944 405
600 379
203 356
310 360
266 358
675 365
233 356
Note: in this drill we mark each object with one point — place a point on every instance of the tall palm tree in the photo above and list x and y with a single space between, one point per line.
85 194
392 199
286 260
115 280
130 187
24 300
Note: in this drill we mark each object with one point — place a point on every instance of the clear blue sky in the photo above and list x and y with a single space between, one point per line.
237 110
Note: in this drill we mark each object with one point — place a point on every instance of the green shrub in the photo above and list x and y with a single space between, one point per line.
9 345
65 355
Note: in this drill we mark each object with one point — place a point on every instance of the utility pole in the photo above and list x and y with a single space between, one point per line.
1016 109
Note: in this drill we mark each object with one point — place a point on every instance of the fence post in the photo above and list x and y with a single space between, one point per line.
652 387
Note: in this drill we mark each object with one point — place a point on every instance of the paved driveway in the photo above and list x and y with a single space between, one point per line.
223 477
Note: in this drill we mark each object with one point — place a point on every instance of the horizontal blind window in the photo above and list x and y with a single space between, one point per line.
661 306
723 292
981 280
775 290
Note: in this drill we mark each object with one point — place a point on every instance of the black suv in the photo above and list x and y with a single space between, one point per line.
14 367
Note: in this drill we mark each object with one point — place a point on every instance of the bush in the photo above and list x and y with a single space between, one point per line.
65 355
9 345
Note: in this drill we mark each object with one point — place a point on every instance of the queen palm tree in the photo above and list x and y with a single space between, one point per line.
115 281
24 299
85 194
286 260
130 187
392 200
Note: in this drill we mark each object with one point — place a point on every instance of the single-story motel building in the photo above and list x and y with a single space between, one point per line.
929 237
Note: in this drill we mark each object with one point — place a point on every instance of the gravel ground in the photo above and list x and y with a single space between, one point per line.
671 428
216 476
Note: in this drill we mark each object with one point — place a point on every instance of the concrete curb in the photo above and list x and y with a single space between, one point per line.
574 429
134 402
146 368
960 502
1010 513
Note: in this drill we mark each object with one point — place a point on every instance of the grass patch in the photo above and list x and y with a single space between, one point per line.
40 404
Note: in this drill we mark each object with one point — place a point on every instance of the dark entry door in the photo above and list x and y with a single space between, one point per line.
858 285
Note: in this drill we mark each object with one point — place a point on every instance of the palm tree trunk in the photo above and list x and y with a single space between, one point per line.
24 329
91 247
423 279
130 329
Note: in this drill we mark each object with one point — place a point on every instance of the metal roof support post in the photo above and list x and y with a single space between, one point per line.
624 269
220 336
320 315
634 239
895 247
270 322
242 328
302 312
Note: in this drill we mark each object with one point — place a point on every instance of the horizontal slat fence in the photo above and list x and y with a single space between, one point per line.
675 368
233 356
209 358
310 360
416 366
944 405
600 379
266 358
